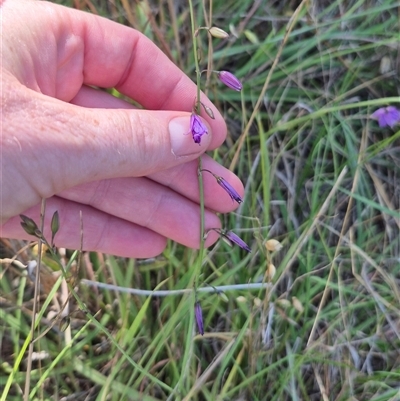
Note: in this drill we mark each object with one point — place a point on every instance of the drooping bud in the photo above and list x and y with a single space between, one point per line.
230 80
218 33
198 314
223 296
229 189
235 239
226 186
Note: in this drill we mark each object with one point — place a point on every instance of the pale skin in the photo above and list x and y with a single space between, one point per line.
132 173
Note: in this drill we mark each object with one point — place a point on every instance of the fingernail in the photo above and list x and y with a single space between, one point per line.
182 143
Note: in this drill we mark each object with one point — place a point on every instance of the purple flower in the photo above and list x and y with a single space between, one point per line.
197 128
232 237
198 314
386 116
228 188
230 80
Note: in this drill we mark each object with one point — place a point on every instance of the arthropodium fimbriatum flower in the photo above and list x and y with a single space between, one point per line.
387 116
226 186
197 128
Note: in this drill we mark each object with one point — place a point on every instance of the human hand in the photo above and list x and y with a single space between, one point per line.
132 173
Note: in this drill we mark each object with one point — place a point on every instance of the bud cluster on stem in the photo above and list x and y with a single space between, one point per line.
198 129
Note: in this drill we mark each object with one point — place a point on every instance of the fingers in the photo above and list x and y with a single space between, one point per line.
81 48
147 204
183 179
118 233
68 145
99 99
101 232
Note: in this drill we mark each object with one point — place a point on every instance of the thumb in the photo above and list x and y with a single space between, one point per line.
141 142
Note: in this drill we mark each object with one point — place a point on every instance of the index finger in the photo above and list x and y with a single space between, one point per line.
120 57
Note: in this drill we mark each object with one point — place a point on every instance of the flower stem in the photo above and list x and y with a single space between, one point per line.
202 233
165 293
197 109
196 58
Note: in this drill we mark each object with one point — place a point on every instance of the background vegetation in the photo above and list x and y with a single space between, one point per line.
320 176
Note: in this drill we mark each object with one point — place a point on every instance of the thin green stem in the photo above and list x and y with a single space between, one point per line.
197 108
166 293
202 233
196 58
35 304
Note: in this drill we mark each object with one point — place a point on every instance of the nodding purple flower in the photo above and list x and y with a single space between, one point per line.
197 128
230 80
232 237
386 116
228 188
198 314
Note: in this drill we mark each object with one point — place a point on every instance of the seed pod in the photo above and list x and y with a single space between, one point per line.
271 270
218 33
297 305
273 245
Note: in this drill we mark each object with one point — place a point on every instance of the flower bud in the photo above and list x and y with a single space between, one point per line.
235 239
198 314
218 33
226 186
223 296
229 189
231 238
55 223
230 80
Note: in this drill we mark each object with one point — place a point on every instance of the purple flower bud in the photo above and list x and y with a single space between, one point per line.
386 116
232 237
228 188
198 314
197 128
230 80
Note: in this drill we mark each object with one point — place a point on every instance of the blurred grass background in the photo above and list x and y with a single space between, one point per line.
320 176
